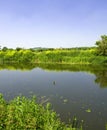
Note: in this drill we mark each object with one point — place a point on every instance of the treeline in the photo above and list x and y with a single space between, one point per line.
80 55
21 55
71 56
74 55
50 55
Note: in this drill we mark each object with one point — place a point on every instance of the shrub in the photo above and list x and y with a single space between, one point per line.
23 113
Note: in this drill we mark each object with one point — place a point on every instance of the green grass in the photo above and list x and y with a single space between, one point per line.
63 56
70 56
25 114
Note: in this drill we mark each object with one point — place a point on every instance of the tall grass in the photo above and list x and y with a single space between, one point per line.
69 56
25 114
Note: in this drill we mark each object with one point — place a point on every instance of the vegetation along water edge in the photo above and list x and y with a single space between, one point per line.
79 55
24 113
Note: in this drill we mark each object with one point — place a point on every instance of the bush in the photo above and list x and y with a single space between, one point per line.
23 113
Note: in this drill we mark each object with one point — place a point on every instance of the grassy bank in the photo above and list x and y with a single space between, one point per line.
62 56
23 113
70 56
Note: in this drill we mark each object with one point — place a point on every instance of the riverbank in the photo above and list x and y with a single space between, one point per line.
59 56
24 113
71 56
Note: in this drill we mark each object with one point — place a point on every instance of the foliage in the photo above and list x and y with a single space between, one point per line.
18 48
17 56
102 45
61 56
4 49
23 113
65 56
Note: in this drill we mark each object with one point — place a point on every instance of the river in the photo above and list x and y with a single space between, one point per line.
73 90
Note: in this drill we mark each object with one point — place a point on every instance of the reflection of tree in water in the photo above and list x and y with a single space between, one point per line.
100 71
23 67
101 78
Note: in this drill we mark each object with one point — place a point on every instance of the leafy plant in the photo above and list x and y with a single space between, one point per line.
23 113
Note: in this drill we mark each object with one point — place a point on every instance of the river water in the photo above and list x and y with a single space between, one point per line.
73 90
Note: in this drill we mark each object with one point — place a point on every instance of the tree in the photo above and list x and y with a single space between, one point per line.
4 49
102 46
18 48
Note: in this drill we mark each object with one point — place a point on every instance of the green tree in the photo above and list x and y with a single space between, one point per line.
18 48
4 49
102 46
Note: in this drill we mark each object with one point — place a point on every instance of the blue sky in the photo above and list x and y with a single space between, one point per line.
52 23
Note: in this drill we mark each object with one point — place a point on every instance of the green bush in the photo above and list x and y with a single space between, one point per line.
69 56
23 113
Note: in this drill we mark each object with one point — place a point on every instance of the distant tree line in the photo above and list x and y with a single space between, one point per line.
84 55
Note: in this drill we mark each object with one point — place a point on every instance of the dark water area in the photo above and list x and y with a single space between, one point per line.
73 90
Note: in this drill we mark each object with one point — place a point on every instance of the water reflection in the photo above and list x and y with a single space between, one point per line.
73 90
101 78
99 71
22 67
